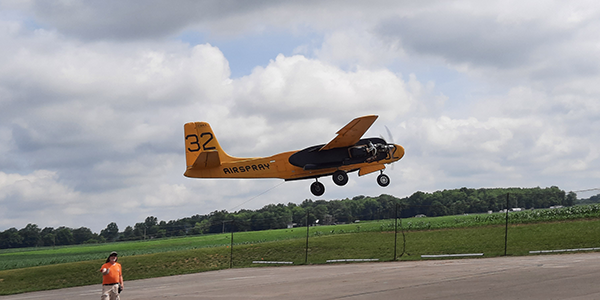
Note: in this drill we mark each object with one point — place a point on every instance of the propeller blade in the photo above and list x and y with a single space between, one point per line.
391 140
389 134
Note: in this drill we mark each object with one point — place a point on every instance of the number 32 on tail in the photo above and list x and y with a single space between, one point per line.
347 152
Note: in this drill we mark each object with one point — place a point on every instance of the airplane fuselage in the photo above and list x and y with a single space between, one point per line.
346 153
280 166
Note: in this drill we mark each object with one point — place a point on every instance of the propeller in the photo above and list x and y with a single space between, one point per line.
390 140
389 134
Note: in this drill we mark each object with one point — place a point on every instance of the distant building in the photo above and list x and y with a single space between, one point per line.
328 220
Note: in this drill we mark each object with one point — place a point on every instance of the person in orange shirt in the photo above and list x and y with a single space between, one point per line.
112 278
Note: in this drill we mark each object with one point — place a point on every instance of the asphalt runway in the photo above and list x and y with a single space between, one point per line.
565 276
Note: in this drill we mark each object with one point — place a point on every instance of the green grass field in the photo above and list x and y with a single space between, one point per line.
29 257
49 268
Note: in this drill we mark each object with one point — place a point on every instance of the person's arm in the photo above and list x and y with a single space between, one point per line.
121 280
103 270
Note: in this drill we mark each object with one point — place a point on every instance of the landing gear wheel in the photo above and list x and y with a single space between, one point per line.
340 177
383 180
317 188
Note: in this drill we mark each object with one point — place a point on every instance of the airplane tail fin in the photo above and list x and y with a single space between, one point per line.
202 150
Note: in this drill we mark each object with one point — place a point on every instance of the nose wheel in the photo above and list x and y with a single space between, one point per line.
317 188
383 180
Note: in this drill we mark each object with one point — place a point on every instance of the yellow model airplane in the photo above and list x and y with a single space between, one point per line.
347 152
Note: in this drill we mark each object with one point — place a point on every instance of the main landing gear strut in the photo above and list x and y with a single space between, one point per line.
383 180
341 178
317 188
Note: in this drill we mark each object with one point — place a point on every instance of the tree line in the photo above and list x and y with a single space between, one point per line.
276 216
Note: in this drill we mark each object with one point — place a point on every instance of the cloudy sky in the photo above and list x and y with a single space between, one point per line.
94 95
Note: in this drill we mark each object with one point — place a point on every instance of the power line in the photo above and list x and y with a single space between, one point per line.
588 190
256 196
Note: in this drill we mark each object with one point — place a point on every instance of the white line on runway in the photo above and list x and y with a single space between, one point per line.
563 250
352 259
451 255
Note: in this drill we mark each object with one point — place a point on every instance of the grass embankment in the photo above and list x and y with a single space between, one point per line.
323 245
22 258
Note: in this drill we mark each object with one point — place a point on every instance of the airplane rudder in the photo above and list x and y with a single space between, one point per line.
192 143
199 138
207 137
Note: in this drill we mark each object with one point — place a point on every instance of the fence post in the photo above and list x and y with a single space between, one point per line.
231 252
306 254
396 234
506 227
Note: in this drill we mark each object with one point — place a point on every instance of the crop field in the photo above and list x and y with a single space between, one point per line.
47 268
29 257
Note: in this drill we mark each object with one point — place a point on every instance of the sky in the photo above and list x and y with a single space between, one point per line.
94 95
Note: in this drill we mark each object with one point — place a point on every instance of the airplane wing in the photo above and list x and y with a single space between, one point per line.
351 133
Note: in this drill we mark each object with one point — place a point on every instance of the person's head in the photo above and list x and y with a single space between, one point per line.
112 254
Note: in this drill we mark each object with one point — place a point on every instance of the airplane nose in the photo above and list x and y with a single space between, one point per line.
399 151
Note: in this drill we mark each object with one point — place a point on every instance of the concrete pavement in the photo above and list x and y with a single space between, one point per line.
565 276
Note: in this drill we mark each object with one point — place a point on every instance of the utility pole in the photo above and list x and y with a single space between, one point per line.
396 234
306 255
506 227
231 247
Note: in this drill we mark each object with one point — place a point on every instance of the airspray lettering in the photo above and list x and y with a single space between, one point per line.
248 168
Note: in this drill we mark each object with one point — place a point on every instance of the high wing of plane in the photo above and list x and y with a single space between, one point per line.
347 152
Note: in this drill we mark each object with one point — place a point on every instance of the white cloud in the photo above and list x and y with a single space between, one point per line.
36 187
358 49
92 113
304 88
24 197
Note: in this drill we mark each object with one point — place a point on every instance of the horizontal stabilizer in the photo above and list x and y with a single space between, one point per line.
207 159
